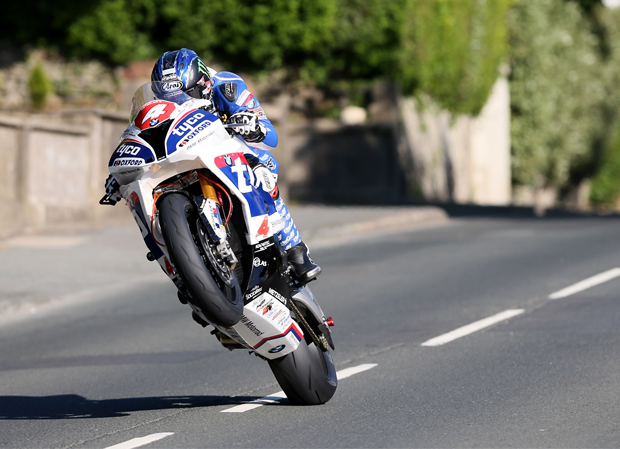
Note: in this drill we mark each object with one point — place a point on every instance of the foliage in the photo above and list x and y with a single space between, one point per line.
452 50
606 184
40 87
449 49
556 95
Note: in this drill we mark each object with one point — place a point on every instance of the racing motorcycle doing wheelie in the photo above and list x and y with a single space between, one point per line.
209 219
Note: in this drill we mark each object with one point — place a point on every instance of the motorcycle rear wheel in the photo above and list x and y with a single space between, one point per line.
307 375
216 293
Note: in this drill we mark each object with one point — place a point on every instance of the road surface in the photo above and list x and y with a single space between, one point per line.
448 334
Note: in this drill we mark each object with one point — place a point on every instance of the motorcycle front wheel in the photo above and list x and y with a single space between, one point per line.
213 287
307 375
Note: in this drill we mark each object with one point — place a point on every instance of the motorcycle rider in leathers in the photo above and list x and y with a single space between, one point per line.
234 103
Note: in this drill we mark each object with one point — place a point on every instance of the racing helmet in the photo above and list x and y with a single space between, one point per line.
185 66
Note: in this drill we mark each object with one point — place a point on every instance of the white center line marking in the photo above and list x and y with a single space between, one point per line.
586 283
279 395
473 327
137 442
343 374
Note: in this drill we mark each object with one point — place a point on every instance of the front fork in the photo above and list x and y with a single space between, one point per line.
211 216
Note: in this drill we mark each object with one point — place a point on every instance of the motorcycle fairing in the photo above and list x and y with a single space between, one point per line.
267 327
153 113
130 150
137 209
188 129
260 212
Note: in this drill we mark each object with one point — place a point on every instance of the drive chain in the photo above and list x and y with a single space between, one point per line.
320 342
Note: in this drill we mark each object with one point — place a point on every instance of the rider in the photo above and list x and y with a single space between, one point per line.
234 103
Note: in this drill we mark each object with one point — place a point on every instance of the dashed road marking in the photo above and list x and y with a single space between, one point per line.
137 442
279 395
473 327
586 283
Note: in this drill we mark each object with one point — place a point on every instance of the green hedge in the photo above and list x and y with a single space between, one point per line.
448 49
556 91
452 49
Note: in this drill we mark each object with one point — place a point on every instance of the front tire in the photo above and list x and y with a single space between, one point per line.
307 375
215 293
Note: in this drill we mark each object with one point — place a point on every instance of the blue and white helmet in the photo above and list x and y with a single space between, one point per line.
185 66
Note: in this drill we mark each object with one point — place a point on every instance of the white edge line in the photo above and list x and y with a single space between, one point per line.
586 283
348 372
272 398
473 327
279 395
137 442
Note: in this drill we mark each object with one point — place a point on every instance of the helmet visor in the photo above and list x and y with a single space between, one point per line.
195 92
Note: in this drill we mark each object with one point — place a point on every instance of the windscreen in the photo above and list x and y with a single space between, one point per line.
156 90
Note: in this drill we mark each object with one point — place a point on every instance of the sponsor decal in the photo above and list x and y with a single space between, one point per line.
228 160
188 126
128 172
168 71
154 113
132 200
196 142
262 246
277 295
277 349
264 227
250 325
229 90
128 162
269 163
171 86
256 290
127 150
202 68
257 262
266 178
251 104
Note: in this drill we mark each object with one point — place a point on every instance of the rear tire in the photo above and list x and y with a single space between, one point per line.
216 295
307 375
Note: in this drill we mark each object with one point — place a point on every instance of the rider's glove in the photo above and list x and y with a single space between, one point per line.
112 190
253 131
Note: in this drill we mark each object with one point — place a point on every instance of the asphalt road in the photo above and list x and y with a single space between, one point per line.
131 363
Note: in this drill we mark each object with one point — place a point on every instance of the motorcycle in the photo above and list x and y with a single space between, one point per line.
208 217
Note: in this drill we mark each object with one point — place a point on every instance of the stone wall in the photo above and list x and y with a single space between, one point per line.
466 160
54 165
53 168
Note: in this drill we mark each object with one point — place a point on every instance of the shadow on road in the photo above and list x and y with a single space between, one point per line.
467 210
73 406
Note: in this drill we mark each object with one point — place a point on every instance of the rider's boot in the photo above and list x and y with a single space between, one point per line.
303 267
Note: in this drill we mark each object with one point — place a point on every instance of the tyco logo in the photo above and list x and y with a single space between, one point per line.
189 125
128 150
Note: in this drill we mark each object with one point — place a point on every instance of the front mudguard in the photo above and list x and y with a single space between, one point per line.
305 301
